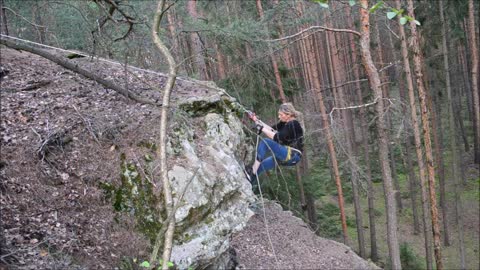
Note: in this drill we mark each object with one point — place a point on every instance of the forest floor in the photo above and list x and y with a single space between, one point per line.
61 135
470 196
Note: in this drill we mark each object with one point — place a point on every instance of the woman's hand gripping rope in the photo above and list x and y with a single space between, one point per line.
260 126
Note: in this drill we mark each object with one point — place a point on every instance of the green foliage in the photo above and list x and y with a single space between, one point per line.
409 259
322 3
145 264
375 7
404 18
329 221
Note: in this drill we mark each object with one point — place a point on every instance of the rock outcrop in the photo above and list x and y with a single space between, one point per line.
207 151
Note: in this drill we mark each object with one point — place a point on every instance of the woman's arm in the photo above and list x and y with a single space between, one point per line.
268 131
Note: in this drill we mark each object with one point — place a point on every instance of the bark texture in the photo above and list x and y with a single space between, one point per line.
374 79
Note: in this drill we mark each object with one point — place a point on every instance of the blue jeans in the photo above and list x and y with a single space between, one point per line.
270 152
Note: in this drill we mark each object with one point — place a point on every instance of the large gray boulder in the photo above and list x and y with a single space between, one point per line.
207 178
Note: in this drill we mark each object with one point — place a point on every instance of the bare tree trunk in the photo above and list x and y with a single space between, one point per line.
338 76
220 63
408 157
474 72
418 62
374 79
443 203
453 140
385 91
278 80
3 20
38 19
331 148
286 54
304 59
418 144
312 215
197 47
364 132
176 50
298 177
161 152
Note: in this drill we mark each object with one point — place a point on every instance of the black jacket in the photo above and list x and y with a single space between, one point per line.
290 134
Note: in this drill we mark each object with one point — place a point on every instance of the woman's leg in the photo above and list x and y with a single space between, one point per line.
268 146
265 165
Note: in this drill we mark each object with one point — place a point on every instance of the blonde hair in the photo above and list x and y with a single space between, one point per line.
288 108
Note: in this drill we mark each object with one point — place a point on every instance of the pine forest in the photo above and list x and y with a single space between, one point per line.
388 93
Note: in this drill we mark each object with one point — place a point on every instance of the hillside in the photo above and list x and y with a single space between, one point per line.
63 135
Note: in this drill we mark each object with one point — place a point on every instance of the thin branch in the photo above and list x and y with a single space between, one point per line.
25 19
87 124
322 28
359 106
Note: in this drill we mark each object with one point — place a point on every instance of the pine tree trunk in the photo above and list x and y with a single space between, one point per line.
418 144
453 140
385 91
221 74
474 72
374 79
412 181
38 19
3 20
333 156
418 62
443 203
286 54
176 50
338 76
364 132
466 81
278 80
196 43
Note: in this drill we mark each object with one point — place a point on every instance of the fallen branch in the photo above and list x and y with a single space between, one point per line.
75 68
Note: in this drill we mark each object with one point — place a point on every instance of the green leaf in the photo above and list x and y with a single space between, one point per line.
391 15
170 264
352 3
403 21
376 6
323 5
145 264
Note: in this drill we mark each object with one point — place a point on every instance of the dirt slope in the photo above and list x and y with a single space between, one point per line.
295 246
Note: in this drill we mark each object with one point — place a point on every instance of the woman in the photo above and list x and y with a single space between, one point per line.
283 145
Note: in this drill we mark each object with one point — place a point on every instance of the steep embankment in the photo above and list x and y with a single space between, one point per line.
66 142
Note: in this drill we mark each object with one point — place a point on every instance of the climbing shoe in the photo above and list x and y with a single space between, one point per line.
251 177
